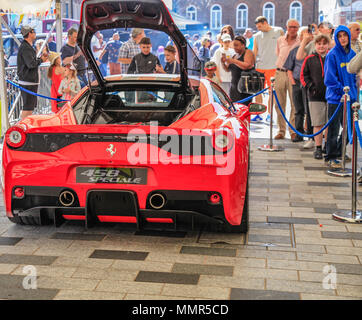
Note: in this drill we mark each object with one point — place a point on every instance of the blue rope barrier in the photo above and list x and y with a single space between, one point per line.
33 93
299 133
349 123
358 131
253 96
158 97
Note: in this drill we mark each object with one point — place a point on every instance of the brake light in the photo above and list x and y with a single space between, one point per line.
15 137
19 192
222 141
215 198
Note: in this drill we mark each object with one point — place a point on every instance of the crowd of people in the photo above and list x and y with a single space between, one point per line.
309 65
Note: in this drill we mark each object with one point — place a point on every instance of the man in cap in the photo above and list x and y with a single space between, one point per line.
130 48
28 65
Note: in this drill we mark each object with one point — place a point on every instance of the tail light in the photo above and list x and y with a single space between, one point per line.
19 192
15 137
222 141
215 198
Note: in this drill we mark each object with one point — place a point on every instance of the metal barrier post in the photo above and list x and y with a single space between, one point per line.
353 216
270 147
343 172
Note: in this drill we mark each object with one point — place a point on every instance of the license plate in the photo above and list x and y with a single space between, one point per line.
111 175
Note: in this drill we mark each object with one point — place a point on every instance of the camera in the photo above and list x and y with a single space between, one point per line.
311 28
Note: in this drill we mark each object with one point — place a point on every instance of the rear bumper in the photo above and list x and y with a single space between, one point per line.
182 210
147 219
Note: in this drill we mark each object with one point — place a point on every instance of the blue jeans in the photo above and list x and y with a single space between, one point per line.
83 80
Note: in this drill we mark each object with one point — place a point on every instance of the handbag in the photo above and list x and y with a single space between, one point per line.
251 82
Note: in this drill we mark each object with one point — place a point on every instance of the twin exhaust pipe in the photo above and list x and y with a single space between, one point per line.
157 201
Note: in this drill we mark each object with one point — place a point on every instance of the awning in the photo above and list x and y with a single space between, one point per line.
26 6
184 23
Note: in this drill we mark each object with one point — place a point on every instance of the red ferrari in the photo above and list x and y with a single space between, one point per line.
159 151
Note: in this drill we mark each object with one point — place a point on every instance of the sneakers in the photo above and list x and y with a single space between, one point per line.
347 158
309 144
334 164
257 118
296 138
318 154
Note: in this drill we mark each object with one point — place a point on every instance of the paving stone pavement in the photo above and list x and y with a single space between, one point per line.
290 253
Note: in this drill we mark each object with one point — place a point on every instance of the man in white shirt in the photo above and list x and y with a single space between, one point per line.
227 52
265 45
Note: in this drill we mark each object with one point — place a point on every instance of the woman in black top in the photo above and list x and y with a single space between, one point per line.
244 60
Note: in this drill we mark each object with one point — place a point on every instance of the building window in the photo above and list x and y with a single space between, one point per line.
296 11
269 12
242 16
191 13
215 17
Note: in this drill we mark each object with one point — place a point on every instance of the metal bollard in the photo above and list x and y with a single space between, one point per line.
353 216
343 172
270 147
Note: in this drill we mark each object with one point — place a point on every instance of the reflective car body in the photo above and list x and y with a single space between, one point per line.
156 151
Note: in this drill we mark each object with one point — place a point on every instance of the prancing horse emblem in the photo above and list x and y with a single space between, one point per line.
111 149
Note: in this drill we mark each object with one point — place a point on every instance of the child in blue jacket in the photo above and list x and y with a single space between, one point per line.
336 78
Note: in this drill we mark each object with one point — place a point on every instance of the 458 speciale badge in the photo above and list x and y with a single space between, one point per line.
111 175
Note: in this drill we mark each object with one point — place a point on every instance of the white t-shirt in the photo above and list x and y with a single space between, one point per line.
225 76
95 43
267 45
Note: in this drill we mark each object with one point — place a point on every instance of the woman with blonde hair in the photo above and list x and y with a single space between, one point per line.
56 75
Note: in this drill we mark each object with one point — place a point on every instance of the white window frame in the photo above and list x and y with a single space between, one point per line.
240 11
271 20
293 11
192 15
214 25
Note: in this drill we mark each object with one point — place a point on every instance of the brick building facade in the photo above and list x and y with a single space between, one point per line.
241 14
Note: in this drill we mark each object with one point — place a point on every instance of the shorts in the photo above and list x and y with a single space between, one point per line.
318 113
29 101
270 73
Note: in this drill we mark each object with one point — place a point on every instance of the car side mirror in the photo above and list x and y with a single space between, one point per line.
257 108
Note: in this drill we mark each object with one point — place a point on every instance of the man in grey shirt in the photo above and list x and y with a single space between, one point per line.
265 43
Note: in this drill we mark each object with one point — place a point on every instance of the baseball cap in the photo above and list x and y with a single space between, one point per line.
226 37
25 30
